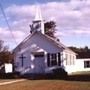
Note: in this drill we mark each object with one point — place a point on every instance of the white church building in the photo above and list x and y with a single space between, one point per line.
39 53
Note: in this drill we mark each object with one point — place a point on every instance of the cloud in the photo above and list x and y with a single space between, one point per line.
7 36
20 12
84 32
72 17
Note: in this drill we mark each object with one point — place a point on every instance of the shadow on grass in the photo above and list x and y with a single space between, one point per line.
56 76
79 78
85 78
9 76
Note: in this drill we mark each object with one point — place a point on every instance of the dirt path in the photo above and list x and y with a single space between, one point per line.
10 82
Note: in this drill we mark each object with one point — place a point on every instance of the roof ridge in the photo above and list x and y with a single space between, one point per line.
59 43
26 38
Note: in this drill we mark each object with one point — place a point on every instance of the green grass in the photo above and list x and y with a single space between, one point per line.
48 85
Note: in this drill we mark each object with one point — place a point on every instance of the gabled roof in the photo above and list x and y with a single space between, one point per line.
57 43
24 41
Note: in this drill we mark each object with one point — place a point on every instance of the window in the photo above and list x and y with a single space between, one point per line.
86 64
73 60
53 59
39 54
59 59
48 59
66 58
70 59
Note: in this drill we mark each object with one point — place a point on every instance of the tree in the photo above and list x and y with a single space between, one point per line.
86 48
5 54
81 52
50 28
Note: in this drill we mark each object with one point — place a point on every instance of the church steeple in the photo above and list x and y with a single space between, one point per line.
38 23
38 16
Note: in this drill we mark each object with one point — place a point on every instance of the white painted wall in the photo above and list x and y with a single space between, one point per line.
36 43
40 41
69 63
80 65
45 44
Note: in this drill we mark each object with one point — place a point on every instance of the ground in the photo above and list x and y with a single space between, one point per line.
47 85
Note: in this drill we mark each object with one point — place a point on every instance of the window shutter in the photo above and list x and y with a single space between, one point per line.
48 59
59 59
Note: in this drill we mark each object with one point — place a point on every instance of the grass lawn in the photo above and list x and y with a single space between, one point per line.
48 85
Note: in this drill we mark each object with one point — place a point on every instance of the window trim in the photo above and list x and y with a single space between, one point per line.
86 64
51 58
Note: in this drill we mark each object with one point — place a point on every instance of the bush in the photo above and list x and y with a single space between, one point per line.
59 72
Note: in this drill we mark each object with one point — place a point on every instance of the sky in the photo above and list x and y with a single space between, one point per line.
72 18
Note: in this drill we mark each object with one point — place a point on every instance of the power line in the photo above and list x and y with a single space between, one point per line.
1 7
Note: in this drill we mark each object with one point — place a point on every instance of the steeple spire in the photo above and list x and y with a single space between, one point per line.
38 16
38 23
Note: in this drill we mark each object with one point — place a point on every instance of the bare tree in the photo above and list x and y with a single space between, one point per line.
5 54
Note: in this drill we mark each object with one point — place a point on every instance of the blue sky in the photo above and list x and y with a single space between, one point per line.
72 18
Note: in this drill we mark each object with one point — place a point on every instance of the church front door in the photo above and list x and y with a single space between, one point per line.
39 62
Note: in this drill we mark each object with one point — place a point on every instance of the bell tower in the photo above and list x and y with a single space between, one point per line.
38 23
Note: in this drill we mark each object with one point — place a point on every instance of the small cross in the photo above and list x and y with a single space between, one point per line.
22 58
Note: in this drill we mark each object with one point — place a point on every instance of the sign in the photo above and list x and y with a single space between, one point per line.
8 68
